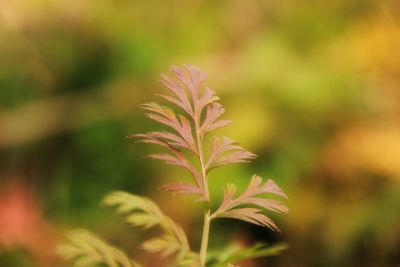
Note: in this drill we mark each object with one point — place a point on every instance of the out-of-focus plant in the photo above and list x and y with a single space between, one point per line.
185 147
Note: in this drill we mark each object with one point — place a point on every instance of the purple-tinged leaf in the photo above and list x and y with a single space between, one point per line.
169 159
211 122
179 123
181 188
182 99
197 76
269 204
226 151
234 157
271 187
230 205
218 124
192 78
251 215
178 159
160 110
145 138
207 98
229 194
188 81
185 130
170 138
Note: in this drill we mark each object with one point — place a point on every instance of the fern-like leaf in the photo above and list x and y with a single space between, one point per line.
164 245
233 207
179 123
175 157
88 250
226 151
143 212
181 188
201 116
211 122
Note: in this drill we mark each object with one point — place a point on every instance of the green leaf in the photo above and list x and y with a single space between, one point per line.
88 250
141 211
163 245
235 253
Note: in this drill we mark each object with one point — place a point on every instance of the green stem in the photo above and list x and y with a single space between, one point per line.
204 239
202 165
207 219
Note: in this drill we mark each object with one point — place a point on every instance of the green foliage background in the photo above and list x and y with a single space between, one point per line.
312 88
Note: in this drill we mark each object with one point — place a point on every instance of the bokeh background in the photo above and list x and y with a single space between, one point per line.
313 88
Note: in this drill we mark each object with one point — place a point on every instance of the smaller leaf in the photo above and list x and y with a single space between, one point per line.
225 151
142 219
269 204
192 81
230 206
89 250
141 211
164 245
211 122
181 99
167 117
176 157
170 138
207 98
272 188
197 76
251 215
180 188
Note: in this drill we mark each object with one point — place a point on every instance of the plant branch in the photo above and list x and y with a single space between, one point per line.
204 239
206 226
202 162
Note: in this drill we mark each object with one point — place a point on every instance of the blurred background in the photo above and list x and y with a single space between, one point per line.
313 88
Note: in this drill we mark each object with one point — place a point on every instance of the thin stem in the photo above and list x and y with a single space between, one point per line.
206 226
202 164
204 239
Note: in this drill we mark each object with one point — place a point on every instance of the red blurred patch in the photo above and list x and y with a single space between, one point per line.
22 224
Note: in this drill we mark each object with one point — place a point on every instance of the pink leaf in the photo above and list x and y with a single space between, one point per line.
225 151
230 206
181 99
210 123
144 138
251 215
192 78
197 76
229 194
177 158
271 187
218 124
185 130
269 204
167 117
180 188
207 98
171 138
235 157
189 80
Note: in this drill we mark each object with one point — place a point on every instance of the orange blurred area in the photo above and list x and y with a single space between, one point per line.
312 88
22 224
